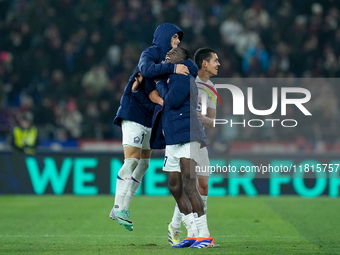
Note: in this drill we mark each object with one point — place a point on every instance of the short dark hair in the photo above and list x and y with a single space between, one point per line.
185 52
202 54
181 55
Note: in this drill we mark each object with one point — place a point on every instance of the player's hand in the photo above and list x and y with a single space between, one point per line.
182 69
205 120
137 82
201 118
155 98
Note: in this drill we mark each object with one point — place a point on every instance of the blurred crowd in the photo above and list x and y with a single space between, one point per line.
68 61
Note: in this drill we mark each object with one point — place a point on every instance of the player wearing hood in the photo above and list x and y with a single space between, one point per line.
134 115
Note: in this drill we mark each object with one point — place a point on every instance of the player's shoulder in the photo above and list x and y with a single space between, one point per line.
152 50
202 84
178 80
180 77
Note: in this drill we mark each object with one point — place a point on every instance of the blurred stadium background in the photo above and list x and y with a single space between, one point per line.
67 62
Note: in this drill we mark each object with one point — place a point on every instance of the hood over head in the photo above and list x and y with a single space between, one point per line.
163 34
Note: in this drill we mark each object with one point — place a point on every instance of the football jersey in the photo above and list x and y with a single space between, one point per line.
201 92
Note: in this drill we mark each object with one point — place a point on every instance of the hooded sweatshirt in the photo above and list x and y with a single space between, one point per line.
179 117
136 106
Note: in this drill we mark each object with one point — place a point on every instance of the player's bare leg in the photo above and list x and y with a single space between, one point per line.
189 179
175 224
203 188
204 239
175 184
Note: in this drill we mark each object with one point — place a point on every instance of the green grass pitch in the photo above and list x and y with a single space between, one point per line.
240 225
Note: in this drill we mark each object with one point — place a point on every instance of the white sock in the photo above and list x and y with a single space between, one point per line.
204 198
123 176
190 224
176 218
202 225
135 181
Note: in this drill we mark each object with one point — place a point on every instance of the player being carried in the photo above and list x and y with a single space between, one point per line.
135 116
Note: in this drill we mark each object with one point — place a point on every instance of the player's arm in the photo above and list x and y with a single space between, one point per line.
208 120
138 81
140 94
135 88
155 98
150 69
176 91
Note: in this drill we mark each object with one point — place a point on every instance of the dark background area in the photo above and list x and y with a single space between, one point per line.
68 61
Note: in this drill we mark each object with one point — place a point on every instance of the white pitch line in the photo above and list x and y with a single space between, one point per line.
127 236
